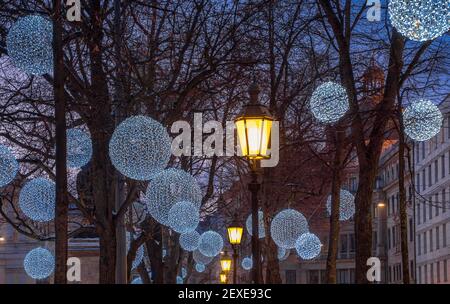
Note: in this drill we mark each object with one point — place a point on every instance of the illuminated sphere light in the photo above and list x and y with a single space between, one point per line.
183 217
422 120
420 20
180 280
79 148
329 102
261 228
183 272
138 258
168 188
247 263
283 253
37 200
287 226
137 281
199 258
211 243
8 166
200 267
308 246
347 205
140 148
39 263
190 241
29 44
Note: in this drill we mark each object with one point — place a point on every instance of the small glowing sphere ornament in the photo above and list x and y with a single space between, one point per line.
347 205
39 263
168 188
287 226
211 243
183 217
422 120
190 241
137 281
180 280
183 273
247 263
420 20
79 148
283 253
308 246
37 199
200 258
8 166
329 102
29 44
261 228
140 148
200 267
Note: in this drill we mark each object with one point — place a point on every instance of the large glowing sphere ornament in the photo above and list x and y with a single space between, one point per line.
37 200
168 188
247 263
201 258
189 241
420 20
346 207
140 148
329 102
422 120
180 280
200 267
79 148
183 217
287 226
8 166
137 281
308 246
29 44
261 228
211 243
39 263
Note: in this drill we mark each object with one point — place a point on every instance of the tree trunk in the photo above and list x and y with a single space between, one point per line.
402 197
335 211
61 207
154 248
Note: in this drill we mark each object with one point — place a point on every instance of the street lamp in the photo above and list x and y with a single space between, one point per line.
225 262
223 277
254 126
234 237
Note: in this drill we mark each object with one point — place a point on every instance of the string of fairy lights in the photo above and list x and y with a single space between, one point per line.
140 149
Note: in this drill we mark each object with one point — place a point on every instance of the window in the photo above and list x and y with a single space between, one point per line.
429 176
291 276
423 150
344 247
419 272
418 181
442 166
436 171
438 272
425 273
390 274
425 244
343 277
411 269
419 244
389 238
424 215
430 208
352 244
432 273
444 198
437 238
418 213
431 240
423 180
444 235
445 271
436 205
411 231
313 277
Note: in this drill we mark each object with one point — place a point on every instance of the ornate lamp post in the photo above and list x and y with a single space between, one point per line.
254 127
234 237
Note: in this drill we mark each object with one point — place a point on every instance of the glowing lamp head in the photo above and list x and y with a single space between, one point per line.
235 232
254 126
225 262
223 277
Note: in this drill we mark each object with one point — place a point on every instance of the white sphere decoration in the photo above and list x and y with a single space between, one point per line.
283 253
79 148
247 263
420 20
287 226
329 102
138 258
261 228
308 246
39 263
37 199
189 241
183 272
29 43
200 258
422 120
180 280
200 267
137 281
211 243
140 148
346 206
8 166
168 188
183 217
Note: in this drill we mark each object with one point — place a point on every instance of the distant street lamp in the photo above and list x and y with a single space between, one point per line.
254 126
225 262
223 277
235 232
